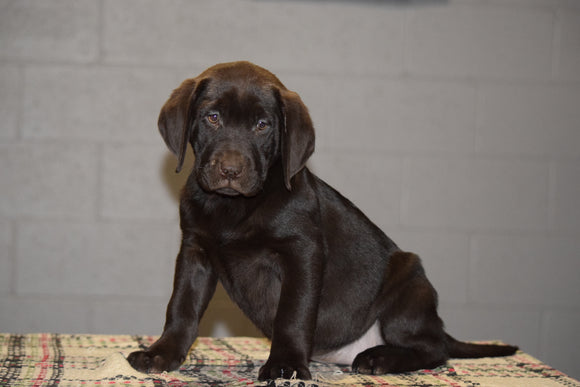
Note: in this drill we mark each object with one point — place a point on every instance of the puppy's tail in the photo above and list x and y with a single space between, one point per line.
460 349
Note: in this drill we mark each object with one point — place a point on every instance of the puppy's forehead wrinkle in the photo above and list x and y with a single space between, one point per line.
241 104
242 80
246 86
243 90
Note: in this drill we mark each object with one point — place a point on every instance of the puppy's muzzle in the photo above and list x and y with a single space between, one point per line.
229 172
230 166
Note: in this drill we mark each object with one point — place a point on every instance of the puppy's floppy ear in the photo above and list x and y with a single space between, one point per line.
177 115
297 134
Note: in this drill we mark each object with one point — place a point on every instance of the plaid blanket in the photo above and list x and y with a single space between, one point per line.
98 360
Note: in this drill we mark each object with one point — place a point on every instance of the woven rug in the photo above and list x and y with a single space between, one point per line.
98 360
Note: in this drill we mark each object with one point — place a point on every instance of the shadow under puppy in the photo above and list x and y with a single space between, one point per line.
313 273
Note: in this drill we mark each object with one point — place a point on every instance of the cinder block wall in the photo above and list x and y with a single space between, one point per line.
455 125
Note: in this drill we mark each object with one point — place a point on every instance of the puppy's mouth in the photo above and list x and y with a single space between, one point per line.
227 187
228 191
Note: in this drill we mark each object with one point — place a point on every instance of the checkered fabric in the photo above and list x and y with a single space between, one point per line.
99 360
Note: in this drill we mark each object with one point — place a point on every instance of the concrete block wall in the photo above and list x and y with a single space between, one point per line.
454 125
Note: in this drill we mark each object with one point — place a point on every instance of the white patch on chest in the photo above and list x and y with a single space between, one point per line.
346 354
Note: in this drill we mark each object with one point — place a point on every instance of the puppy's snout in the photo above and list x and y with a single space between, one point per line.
230 170
230 165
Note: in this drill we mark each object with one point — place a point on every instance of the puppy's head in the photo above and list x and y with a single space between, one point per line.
240 120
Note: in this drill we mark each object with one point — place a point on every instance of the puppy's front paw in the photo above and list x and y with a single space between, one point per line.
284 369
149 362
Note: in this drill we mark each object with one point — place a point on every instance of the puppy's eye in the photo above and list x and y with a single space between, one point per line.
213 119
262 125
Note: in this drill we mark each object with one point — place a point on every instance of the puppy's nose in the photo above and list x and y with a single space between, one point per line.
230 170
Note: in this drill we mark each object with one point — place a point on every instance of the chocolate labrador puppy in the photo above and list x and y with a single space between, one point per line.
303 263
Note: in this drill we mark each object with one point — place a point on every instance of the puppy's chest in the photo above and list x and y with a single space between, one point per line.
252 278
245 262
244 252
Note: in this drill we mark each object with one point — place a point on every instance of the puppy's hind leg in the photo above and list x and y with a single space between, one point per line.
412 330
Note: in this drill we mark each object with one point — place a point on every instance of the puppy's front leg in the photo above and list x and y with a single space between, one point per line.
193 286
296 316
